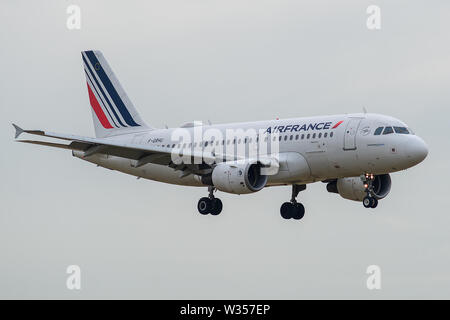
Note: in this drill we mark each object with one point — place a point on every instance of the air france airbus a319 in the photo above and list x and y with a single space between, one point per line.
352 153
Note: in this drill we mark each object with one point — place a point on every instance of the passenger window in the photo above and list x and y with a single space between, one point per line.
314 136
303 136
331 134
320 135
388 130
292 137
296 137
279 138
401 130
307 136
285 138
325 134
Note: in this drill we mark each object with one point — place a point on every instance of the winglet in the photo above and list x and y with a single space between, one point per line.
19 130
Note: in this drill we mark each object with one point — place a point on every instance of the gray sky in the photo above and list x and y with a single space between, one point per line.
224 61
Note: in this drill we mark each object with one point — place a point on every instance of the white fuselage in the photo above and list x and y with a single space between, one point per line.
310 149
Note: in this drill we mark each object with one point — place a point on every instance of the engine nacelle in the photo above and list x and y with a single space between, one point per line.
353 188
238 177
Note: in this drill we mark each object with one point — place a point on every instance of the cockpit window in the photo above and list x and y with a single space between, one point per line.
401 130
378 131
388 130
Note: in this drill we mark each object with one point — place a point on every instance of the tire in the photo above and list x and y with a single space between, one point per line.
286 210
374 203
204 205
367 202
216 206
298 211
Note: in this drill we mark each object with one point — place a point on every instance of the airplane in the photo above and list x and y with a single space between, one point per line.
353 154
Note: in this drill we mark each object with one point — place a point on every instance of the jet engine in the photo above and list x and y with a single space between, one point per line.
238 177
353 188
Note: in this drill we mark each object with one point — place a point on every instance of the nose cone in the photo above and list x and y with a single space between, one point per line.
416 150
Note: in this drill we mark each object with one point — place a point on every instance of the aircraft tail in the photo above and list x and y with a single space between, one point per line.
112 111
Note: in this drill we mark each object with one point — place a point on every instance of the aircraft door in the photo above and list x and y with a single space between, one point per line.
350 134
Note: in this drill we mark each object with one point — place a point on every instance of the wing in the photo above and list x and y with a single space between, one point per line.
143 154
200 162
92 146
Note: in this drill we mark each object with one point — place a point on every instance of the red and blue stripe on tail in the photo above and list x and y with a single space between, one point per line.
112 109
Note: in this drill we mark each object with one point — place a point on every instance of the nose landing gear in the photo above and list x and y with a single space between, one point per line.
210 204
293 209
369 201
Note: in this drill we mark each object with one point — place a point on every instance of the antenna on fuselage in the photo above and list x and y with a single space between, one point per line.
364 110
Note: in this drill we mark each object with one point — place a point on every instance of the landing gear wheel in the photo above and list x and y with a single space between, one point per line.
374 203
299 211
293 209
368 202
204 205
216 206
286 210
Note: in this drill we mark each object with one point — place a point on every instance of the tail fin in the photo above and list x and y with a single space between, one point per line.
112 111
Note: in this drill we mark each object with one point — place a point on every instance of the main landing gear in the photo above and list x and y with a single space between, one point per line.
293 209
369 201
210 204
